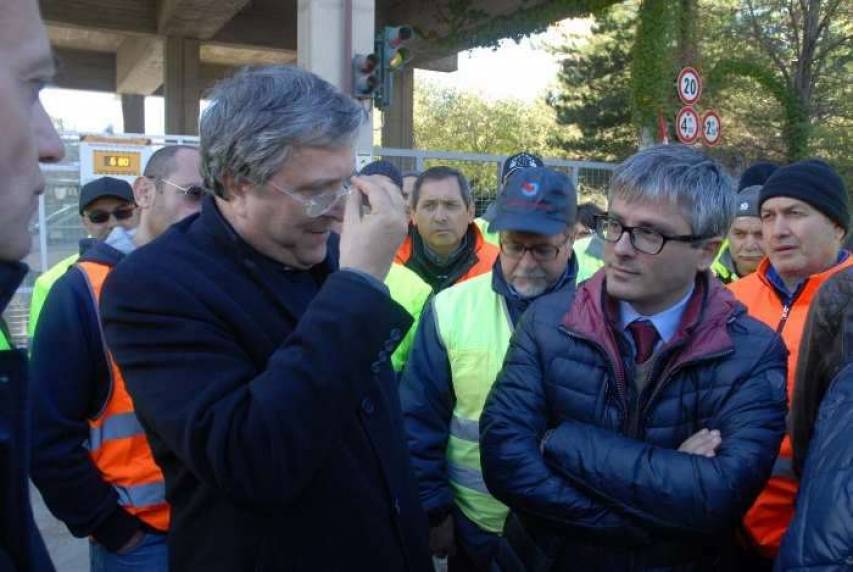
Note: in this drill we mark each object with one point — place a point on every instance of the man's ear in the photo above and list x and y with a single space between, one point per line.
471 211
236 193
708 250
143 192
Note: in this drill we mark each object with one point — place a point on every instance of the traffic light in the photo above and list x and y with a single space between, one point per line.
396 56
393 56
366 74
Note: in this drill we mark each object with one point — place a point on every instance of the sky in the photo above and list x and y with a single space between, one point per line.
522 70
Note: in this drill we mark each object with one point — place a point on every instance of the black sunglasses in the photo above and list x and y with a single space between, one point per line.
98 216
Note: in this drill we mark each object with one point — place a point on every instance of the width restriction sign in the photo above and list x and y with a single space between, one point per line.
689 85
711 128
687 125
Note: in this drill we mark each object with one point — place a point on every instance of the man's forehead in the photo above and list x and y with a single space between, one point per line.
309 165
441 188
641 211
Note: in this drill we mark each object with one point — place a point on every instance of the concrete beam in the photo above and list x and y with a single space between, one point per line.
138 16
133 112
182 87
252 28
200 19
448 64
233 55
91 71
139 65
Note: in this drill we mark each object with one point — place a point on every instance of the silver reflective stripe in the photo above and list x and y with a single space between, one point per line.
469 478
783 468
465 429
141 495
114 427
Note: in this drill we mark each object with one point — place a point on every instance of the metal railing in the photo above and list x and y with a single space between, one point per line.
57 229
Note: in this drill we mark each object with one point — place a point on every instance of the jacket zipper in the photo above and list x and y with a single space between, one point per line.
617 374
786 308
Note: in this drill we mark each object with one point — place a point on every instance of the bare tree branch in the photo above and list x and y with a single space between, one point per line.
827 48
831 7
768 45
795 24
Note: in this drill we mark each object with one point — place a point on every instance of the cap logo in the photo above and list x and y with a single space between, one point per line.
744 206
529 189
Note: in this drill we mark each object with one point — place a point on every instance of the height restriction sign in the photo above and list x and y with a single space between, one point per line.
711 128
687 125
689 85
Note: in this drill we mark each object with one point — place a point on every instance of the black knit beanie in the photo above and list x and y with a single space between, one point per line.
384 168
756 174
813 182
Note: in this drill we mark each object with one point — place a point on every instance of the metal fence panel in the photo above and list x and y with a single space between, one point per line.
57 230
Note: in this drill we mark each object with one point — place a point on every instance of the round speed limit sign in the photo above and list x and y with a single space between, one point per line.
687 125
711 128
689 86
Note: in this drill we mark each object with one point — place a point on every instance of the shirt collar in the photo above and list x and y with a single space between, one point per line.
779 284
665 322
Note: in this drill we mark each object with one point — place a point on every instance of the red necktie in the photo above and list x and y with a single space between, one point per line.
645 338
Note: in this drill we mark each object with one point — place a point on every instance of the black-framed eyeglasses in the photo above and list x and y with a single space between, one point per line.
192 193
99 216
539 252
643 238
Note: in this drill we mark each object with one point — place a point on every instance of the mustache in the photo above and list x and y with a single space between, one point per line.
537 273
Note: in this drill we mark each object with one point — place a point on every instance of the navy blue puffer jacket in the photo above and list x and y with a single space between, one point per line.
591 470
821 535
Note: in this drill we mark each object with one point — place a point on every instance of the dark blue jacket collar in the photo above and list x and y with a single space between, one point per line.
11 276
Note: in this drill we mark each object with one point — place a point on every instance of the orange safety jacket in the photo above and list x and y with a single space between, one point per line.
770 515
117 442
486 253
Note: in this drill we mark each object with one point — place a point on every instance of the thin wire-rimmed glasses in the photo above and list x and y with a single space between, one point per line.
192 193
643 238
318 204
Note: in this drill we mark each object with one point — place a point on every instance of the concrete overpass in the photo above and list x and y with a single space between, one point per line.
179 48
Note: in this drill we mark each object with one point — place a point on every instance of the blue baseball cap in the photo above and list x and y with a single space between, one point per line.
536 200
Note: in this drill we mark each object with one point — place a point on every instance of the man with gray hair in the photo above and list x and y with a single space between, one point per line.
632 426
255 343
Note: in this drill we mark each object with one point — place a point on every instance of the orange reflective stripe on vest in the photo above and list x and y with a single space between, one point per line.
117 442
769 517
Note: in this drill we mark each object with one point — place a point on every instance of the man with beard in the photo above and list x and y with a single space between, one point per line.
458 351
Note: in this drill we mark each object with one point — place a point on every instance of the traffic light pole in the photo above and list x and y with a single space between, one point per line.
325 48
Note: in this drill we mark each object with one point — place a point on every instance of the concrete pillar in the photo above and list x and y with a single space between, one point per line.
181 85
321 47
398 130
133 111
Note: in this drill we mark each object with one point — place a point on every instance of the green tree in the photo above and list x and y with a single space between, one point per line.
594 102
450 120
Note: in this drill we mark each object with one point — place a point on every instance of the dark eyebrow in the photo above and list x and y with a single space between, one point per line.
645 224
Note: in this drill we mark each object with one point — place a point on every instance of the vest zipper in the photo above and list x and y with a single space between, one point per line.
786 308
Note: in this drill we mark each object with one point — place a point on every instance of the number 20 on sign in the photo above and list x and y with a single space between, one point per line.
689 86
